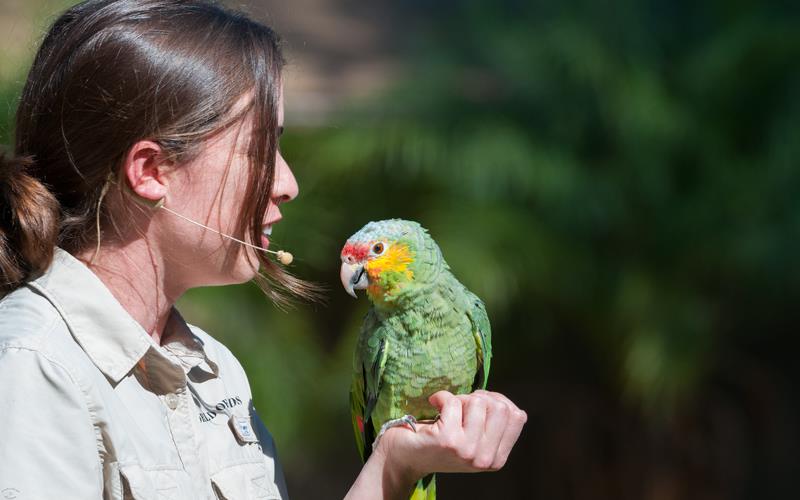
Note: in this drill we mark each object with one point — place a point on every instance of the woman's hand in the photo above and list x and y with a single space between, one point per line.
475 432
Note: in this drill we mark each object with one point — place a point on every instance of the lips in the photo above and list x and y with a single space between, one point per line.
266 228
266 232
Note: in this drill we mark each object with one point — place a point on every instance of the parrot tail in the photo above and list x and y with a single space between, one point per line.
425 488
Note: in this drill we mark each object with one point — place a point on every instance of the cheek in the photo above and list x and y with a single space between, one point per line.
228 195
374 267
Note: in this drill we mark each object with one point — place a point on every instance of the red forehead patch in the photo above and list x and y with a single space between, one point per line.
357 252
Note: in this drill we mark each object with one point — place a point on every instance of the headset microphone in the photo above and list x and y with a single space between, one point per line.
284 257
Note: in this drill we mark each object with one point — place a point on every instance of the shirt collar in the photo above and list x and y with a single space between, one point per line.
113 340
185 345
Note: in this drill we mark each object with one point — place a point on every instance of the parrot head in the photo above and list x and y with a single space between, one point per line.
387 256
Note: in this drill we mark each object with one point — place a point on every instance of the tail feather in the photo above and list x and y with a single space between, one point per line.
425 488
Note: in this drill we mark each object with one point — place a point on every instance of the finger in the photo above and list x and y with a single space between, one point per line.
516 420
474 418
510 436
497 415
449 406
516 412
439 398
497 395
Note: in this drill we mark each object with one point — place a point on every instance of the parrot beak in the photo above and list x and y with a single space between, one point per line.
354 277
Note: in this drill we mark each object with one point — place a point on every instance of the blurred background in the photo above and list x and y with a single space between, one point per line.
618 181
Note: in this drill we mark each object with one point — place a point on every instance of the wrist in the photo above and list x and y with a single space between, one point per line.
381 478
399 476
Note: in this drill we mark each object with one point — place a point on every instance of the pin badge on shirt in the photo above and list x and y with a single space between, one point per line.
242 428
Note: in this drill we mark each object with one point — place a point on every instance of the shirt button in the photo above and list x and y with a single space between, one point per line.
171 400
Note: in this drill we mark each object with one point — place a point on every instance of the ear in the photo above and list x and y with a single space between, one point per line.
145 170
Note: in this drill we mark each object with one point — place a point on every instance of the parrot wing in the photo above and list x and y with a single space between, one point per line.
370 361
357 406
482 331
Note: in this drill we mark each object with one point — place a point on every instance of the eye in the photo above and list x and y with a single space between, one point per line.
377 249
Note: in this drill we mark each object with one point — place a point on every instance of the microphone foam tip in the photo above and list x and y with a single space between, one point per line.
285 258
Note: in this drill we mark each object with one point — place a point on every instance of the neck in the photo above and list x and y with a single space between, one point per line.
135 275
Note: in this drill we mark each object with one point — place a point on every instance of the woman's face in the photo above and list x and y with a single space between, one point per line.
209 193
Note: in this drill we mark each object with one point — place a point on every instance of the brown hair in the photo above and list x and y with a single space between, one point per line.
110 73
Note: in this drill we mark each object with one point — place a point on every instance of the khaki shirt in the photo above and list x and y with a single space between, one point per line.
92 407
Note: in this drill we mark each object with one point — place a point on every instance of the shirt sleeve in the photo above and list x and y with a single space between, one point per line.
48 447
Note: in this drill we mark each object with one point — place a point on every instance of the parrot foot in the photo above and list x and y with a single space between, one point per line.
404 420
429 420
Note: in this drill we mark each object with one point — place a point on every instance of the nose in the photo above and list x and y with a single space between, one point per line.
285 185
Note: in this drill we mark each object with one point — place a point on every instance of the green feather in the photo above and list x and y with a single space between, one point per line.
434 334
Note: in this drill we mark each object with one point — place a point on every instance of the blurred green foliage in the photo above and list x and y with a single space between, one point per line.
619 182
619 178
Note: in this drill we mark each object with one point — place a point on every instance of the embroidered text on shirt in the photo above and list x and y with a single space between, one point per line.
208 416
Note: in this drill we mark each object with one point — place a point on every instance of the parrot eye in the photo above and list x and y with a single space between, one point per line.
377 249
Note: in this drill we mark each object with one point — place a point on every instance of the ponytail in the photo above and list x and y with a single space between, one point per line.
29 222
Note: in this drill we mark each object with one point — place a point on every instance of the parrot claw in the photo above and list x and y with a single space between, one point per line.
404 420
430 420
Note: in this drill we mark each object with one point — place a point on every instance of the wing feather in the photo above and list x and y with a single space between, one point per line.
482 330
368 367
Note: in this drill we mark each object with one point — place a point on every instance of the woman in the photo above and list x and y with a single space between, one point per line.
146 141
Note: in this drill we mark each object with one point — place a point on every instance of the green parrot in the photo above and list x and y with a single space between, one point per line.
423 333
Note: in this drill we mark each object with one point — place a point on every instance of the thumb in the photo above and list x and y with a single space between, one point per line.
440 398
449 406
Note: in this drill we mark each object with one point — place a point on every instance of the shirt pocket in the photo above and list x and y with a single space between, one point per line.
247 481
132 482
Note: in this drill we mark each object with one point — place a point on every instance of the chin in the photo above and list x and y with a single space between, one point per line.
245 271
239 271
239 275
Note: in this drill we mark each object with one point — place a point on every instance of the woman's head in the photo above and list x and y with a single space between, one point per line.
114 79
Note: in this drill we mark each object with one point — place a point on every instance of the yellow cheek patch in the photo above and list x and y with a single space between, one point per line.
394 260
